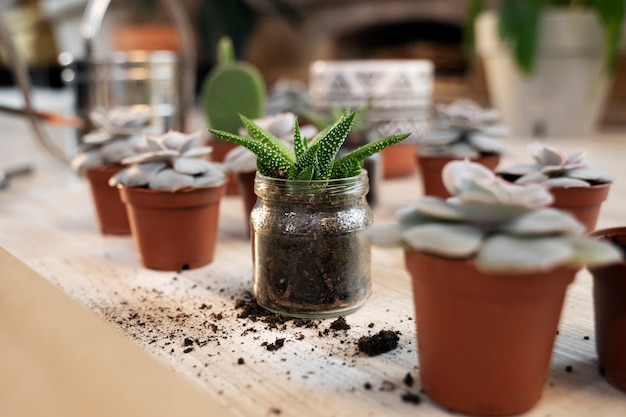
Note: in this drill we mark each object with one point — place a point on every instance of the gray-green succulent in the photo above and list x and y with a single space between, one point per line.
503 227
553 168
463 129
174 161
308 160
118 135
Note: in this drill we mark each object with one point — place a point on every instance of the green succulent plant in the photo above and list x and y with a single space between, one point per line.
463 129
314 160
502 227
553 168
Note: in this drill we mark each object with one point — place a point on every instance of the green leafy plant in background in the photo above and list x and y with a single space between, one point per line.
519 26
314 160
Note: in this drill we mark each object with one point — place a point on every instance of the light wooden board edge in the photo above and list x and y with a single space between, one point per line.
58 359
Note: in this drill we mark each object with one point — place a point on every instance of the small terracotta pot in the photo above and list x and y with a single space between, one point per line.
432 166
484 340
110 210
609 293
220 149
245 182
174 231
399 160
582 202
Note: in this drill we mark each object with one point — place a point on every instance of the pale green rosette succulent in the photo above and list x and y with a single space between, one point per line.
463 129
503 227
118 135
175 161
553 168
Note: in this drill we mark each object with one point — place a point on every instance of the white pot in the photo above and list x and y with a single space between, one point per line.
565 94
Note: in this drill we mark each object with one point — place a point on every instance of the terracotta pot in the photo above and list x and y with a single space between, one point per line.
245 182
110 210
399 160
220 149
484 340
582 202
431 167
609 293
174 231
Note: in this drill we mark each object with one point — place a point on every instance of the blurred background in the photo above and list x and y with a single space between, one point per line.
281 38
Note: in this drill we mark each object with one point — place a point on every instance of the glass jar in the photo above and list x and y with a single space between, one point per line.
310 257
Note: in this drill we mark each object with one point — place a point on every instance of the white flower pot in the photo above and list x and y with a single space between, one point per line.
565 94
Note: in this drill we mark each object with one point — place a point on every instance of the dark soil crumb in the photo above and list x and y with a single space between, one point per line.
586 337
367 386
251 311
240 361
188 350
408 380
278 343
371 325
557 331
275 411
409 397
340 324
569 368
382 342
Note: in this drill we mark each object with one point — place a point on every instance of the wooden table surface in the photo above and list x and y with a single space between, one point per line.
191 321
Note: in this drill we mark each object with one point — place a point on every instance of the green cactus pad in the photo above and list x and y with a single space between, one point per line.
232 88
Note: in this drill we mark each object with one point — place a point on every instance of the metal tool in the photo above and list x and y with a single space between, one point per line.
7 174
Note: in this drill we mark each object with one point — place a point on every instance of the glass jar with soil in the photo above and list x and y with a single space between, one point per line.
310 258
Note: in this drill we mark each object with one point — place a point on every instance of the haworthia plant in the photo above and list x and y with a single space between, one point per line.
314 160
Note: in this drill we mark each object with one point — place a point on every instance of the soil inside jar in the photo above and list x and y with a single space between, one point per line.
313 274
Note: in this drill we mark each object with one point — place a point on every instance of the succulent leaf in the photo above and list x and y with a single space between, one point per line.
387 236
347 163
595 252
191 166
267 138
450 240
590 174
170 180
269 161
436 207
299 143
148 157
544 221
565 182
504 253
137 175
200 151
331 142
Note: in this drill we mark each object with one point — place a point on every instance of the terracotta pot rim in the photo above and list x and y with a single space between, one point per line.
590 187
456 158
146 190
609 231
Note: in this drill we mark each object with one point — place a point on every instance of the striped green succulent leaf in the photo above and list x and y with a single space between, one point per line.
299 143
268 138
346 165
331 142
273 162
